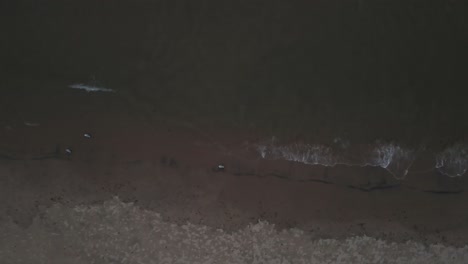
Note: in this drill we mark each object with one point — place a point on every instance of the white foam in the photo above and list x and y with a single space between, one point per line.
116 232
89 88
308 154
453 161
31 124
395 159
389 156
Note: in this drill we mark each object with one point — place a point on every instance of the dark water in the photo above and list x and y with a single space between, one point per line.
321 71
363 70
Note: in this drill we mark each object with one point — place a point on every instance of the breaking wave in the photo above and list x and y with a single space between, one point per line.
116 232
453 161
396 159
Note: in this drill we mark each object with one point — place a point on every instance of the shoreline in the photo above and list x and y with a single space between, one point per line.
171 170
170 167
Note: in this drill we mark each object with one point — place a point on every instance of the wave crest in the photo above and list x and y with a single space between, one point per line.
453 161
396 159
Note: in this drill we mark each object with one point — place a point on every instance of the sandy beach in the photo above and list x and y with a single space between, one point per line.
233 132
171 168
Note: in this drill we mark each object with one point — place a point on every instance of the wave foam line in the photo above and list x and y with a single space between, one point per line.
453 161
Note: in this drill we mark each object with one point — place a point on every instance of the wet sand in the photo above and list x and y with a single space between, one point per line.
200 84
170 167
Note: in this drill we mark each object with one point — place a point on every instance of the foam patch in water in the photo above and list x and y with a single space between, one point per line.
89 88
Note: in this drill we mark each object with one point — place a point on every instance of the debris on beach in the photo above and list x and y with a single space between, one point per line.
68 151
219 168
